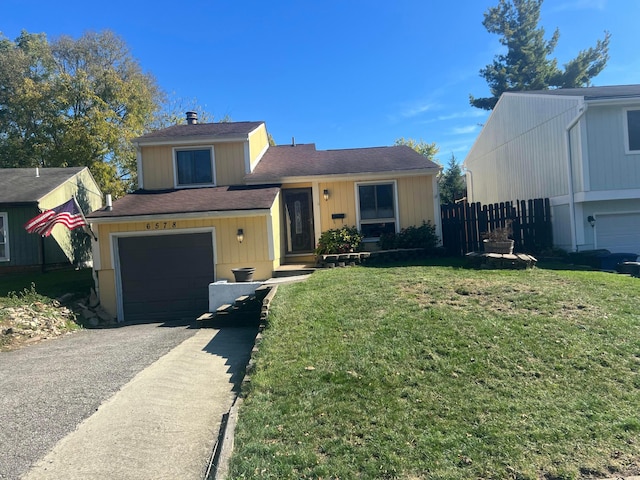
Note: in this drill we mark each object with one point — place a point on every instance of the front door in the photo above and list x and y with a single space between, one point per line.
298 220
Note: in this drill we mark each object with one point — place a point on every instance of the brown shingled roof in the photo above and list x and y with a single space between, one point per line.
191 200
212 130
304 160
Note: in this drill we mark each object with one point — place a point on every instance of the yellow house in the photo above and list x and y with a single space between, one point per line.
213 197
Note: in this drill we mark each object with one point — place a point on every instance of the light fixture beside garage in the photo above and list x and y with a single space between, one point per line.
240 235
591 220
325 194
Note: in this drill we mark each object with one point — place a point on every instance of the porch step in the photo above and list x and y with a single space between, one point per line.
293 270
245 310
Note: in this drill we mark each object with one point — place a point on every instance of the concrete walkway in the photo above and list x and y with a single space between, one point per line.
164 423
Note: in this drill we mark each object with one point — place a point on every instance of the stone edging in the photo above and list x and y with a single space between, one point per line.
219 463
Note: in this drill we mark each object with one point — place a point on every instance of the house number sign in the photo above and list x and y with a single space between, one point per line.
161 225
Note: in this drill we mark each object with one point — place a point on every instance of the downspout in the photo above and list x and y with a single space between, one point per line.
572 204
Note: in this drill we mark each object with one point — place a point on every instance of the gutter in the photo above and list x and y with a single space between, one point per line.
582 109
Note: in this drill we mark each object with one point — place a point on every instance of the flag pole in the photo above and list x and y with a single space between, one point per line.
84 218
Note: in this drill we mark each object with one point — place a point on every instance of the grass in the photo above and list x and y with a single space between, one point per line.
445 373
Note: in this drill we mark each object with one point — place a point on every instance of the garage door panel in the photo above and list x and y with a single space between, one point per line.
165 276
618 233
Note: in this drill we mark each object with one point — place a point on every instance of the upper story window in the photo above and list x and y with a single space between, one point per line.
4 237
377 208
632 124
194 167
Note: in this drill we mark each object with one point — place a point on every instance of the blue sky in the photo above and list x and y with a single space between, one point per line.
337 73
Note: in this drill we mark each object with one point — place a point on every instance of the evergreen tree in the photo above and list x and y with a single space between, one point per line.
452 183
526 65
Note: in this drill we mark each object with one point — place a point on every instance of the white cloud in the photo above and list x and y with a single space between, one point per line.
464 130
471 113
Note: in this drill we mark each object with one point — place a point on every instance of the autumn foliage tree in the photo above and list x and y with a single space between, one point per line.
526 64
74 102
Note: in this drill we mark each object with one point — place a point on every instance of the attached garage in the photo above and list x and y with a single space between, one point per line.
165 277
618 233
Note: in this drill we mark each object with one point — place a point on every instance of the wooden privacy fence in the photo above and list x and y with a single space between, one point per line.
464 223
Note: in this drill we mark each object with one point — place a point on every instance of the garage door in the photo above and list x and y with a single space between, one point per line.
618 233
165 276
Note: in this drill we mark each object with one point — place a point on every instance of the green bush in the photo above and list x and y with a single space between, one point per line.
423 236
339 240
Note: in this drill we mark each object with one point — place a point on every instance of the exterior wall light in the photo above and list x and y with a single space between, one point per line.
591 220
240 235
325 194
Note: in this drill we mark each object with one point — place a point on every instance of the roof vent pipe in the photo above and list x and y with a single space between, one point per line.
293 141
192 118
37 172
109 202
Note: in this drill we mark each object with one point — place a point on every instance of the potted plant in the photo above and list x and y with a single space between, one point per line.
497 240
243 274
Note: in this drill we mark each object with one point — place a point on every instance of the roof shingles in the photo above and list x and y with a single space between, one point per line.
190 200
304 160
22 185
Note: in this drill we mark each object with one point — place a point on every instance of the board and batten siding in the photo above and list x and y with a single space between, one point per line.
252 252
521 152
415 201
610 168
258 144
158 169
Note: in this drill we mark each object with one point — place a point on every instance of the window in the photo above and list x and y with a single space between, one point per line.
633 131
4 237
194 167
377 208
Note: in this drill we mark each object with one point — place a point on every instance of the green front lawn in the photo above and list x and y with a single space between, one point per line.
439 372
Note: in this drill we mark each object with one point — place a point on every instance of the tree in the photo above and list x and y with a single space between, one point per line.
526 65
74 103
452 182
429 150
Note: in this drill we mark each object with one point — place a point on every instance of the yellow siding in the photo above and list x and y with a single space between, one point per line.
276 225
158 171
341 200
252 252
157 167
230 168
415 200
298 185
107 291
89 197
258 141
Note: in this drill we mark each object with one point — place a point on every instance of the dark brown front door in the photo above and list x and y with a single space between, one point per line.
298 220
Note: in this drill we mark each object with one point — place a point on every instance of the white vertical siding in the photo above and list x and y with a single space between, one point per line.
521 152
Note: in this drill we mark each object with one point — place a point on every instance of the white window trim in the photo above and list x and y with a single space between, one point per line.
175 166
5 223
625 124
396 210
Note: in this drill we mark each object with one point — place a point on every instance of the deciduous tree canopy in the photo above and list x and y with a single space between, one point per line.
526 64
74 102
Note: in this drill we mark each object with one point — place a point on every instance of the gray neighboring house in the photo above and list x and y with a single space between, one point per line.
580 148
24 193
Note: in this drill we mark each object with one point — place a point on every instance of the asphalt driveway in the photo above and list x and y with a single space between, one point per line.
48 389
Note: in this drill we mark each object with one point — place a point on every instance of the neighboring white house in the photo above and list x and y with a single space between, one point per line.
580 147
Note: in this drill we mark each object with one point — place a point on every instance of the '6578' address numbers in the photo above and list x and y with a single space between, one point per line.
161 225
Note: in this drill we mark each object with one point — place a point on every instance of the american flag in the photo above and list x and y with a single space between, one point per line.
68 214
